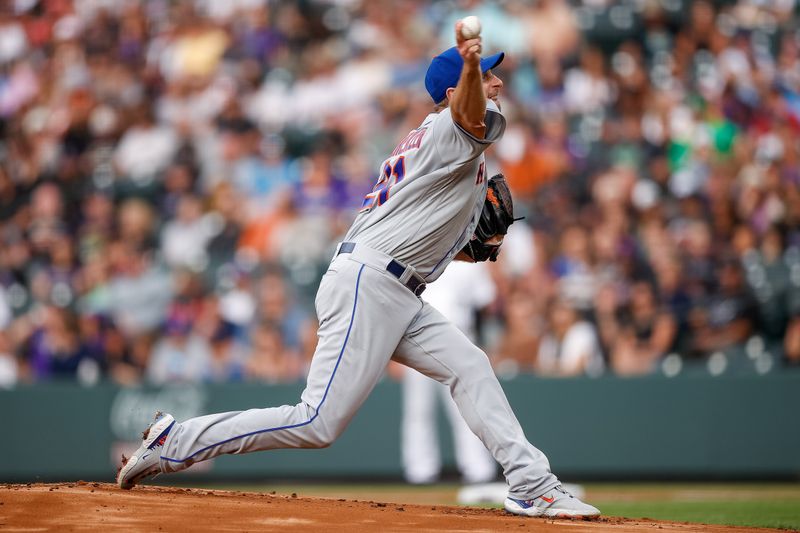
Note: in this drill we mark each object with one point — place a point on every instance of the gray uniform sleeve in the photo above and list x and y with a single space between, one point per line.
455 145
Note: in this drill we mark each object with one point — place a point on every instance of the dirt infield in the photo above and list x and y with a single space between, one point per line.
83 506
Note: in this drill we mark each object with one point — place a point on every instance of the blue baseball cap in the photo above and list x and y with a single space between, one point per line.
445 71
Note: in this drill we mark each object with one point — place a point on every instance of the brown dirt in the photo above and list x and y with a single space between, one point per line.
83 506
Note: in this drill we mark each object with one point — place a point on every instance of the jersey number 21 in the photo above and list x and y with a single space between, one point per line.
393 172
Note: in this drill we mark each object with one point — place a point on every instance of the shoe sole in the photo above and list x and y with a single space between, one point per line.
515 509
153 434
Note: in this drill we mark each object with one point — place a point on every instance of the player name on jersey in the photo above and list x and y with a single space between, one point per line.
411 141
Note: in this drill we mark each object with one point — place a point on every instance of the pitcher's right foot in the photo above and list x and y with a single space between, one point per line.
555 503
145 461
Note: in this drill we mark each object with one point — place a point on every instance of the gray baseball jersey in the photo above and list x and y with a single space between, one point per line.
422 211
426 203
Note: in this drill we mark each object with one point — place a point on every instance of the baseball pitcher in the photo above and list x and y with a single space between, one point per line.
424 210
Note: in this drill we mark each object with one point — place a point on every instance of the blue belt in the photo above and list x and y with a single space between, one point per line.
415 284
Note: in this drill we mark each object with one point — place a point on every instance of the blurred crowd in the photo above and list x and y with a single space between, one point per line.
175 175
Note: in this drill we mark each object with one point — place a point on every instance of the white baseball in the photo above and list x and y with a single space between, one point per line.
470 27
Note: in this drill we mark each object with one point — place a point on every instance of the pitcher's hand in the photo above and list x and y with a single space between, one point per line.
469 49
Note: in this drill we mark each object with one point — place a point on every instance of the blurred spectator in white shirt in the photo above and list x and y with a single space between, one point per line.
184 238
9 370
146 148
181 356
570 347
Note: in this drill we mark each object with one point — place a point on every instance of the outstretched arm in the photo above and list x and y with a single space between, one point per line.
467 100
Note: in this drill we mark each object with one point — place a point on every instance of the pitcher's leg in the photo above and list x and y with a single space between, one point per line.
353 349
438 349
474 461
419 435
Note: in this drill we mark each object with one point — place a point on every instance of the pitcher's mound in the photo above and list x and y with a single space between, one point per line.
82 506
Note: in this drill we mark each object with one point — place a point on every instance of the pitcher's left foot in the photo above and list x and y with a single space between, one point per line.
555 503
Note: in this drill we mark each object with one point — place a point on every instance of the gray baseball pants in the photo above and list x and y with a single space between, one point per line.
368 317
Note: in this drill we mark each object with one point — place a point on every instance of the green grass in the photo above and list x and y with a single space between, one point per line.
771 505
755 505
777 514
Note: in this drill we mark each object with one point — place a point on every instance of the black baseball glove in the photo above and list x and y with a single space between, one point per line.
496 217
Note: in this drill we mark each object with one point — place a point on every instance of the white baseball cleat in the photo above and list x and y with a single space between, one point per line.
556 503
145 460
